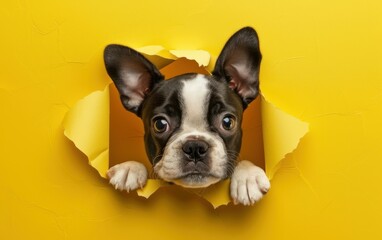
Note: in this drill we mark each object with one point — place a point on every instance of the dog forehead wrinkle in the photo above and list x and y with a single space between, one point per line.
164 99
195 97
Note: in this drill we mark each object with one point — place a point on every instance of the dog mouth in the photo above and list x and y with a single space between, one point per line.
196 179
191 167
195 174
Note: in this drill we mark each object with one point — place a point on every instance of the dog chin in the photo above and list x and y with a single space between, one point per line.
196 181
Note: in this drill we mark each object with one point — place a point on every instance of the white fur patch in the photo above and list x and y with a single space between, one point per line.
195 95
248 183
128 176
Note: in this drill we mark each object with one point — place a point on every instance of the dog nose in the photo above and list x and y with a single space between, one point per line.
195 150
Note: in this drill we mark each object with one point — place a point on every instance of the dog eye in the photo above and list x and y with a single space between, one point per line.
228 122
160 125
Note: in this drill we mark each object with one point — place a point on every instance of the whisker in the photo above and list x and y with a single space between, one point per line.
233 158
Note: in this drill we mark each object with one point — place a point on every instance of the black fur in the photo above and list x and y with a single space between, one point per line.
233 85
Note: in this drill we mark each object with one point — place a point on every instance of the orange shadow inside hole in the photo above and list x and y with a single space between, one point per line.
126 129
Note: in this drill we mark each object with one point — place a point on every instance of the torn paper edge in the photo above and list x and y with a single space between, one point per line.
78 130
200 56
282 127
79 124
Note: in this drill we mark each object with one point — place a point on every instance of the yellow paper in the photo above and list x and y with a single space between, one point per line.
281 132
321 63
87 125
157 54
151 186
200 56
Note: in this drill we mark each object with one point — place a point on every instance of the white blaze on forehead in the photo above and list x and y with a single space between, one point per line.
195 94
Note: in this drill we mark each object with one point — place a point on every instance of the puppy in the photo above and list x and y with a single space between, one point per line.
192 122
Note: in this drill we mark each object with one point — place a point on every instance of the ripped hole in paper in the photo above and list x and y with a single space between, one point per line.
108 134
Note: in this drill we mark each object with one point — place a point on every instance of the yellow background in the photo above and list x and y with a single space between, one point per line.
322 63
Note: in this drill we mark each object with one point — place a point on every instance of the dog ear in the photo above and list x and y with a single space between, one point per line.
133 75
239 63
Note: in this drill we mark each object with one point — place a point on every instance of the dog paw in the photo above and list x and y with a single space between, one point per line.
128 176
248 183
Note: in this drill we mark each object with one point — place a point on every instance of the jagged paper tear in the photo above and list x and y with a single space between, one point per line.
87 125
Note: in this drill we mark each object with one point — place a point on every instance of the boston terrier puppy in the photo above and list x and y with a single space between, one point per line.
193 121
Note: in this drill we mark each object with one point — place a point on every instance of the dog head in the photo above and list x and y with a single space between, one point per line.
192 122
